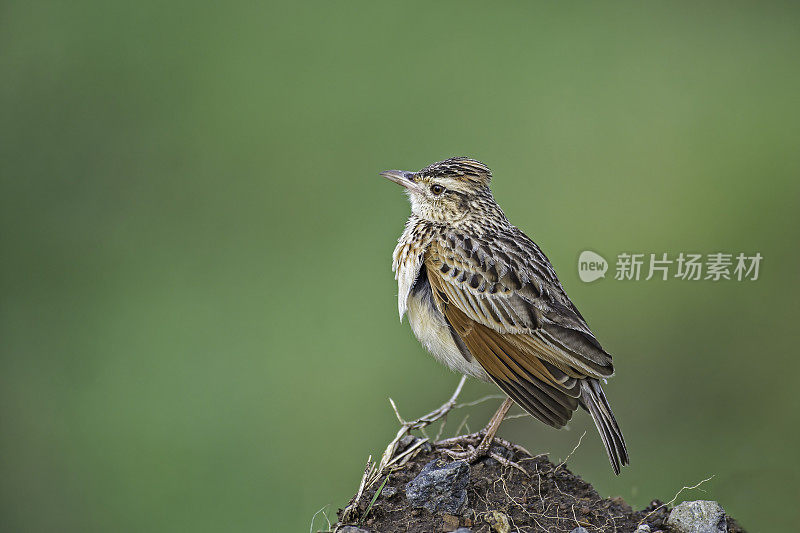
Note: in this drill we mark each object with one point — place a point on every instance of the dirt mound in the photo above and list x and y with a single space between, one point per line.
499 498
417 487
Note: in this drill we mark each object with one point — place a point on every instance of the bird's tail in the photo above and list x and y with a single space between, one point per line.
594 400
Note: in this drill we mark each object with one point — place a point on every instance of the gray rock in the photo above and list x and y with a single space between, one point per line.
352 529
579 530
643 528
440 487
700 516
463 530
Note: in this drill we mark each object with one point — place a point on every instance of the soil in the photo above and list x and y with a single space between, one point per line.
546 498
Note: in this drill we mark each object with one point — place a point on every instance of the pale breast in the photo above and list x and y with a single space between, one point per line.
432 330
414 298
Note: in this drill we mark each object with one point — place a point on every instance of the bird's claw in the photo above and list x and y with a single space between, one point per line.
473 454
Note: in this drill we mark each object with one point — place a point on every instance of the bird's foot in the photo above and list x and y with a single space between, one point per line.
474 453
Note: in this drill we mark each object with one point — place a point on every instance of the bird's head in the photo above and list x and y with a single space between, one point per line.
448 191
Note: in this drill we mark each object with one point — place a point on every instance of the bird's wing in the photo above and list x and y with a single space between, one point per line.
502 297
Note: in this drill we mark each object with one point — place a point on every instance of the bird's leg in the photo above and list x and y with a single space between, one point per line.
492 427
483 449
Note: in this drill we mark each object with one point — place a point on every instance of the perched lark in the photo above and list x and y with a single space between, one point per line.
485 301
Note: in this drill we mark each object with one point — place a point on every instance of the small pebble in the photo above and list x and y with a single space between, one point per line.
579 530
450 521
498 521
701 516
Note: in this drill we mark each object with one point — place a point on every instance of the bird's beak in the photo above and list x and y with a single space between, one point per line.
401 177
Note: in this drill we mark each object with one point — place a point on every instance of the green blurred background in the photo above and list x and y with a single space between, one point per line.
198 320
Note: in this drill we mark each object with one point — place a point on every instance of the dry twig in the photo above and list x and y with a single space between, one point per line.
374 472
311 527
673 500
562 463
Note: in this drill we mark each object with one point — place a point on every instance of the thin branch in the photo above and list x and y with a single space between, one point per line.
481 400
441 429
570 453
520 415
350 508
408 426
311 527
408 452
373 472
461 425
642 521
396 412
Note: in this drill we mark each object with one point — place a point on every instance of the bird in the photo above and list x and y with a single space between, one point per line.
485 301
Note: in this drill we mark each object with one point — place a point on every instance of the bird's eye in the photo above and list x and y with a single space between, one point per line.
437 189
